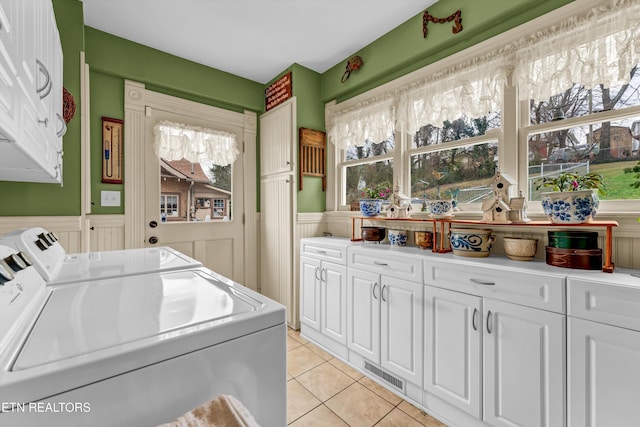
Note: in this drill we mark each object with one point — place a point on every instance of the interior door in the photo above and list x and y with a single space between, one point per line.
182 210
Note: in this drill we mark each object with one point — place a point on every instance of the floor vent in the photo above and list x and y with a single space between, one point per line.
387 377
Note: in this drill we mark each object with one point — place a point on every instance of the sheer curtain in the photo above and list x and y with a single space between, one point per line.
601 48
175 141
372 121
473 89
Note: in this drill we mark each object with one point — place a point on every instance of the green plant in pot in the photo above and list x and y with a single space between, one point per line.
372 197
574 199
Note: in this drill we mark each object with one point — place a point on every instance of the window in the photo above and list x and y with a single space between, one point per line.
563 97
169 206
218 207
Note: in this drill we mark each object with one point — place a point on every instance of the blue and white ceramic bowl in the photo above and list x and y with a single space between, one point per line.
398 237
440 208
570 207
471 242
370 207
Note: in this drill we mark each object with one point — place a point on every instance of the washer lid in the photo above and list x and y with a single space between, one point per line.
107 314
101 265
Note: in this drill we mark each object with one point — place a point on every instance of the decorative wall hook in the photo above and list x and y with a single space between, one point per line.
353 64
456 17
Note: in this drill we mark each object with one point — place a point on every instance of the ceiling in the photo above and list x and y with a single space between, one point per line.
254 39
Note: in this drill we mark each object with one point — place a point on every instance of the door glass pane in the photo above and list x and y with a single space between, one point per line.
194 192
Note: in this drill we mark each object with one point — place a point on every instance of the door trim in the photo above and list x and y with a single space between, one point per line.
136 99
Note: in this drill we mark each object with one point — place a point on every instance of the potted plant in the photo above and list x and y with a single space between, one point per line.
372 197
574 199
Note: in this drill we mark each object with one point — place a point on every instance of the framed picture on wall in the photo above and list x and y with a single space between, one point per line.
112 150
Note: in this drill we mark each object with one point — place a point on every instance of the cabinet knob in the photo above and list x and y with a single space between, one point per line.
474 319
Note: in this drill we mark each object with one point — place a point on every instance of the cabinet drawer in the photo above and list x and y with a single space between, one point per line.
611 300
525 287
400 266
327 248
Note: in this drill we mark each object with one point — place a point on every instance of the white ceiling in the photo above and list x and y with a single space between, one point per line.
255 39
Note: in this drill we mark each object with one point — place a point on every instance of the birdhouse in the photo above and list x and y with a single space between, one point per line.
518 213
496 210
501 183
400 206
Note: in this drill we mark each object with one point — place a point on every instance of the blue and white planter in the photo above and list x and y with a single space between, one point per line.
398 237
370 207
570 207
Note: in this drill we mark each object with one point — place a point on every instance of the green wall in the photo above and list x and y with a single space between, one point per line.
30 199
113 59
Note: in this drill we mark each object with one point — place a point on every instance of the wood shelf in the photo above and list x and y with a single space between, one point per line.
444 225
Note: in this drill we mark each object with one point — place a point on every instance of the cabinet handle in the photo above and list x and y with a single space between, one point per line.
321 252
316 274
382 293
375 285
63 130
474 319
489 321
323 279
380 263
46 88
481 282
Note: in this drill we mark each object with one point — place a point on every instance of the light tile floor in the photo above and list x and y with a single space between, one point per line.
323 391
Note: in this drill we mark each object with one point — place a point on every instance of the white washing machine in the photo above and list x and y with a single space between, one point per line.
57 267
135 350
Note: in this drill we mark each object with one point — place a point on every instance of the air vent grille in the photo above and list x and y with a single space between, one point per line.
387 377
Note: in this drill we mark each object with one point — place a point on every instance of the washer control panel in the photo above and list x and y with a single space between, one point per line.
37 247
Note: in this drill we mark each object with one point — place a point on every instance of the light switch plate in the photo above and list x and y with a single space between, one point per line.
109 198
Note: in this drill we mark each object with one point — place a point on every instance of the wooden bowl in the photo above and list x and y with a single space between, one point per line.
423 239
372 234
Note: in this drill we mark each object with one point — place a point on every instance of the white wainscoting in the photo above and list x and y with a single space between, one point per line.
67 228
105 232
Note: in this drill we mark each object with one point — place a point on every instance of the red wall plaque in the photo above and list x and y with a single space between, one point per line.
278 91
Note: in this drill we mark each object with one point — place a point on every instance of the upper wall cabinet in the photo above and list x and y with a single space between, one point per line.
31 121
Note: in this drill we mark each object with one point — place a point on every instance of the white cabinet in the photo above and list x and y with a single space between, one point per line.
453 342
31 122
604 349
500 362
524 366
384 314
323 292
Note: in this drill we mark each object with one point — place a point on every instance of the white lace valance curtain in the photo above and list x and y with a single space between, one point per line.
372 121
473 89
601 48
175 141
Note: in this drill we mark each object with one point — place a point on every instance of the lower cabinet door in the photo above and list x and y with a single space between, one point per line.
363 313
310 292
524 366
453 338
604 375
333 301
401 328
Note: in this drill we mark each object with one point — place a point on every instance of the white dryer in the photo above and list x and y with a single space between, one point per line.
135 350
57 267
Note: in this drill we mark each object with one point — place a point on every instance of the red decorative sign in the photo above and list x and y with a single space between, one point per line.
278 92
